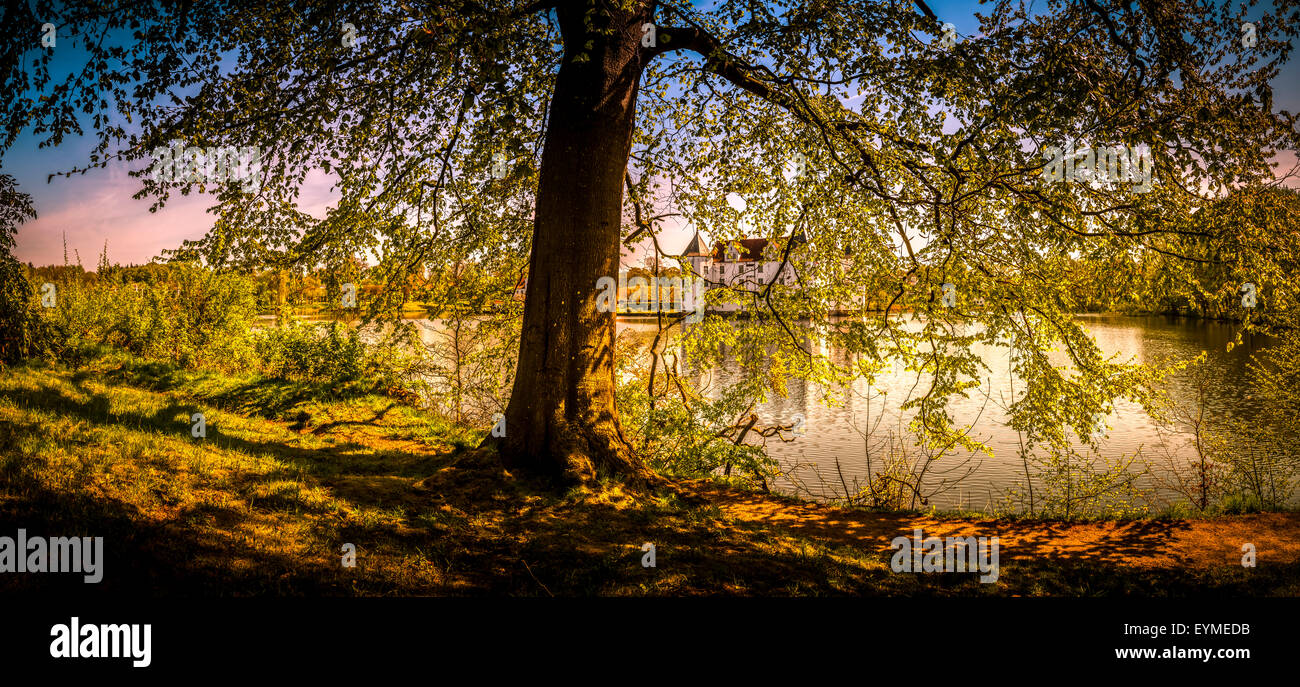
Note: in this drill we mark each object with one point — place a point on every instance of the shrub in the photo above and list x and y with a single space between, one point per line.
179 313
340 355
684 441
23 333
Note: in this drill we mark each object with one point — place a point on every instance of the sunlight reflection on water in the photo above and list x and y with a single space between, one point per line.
835 432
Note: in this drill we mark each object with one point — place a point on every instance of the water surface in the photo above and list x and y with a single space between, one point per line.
866 416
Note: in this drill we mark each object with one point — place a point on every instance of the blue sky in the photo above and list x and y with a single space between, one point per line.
97 207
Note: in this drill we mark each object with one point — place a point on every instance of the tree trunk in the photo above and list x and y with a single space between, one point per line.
562 420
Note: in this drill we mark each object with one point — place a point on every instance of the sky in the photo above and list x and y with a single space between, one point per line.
96 209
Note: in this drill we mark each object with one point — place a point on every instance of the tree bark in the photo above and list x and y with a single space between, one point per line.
562 420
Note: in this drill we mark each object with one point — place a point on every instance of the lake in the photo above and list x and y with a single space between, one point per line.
977 481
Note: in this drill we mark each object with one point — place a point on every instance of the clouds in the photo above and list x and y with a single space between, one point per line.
98 207
92 209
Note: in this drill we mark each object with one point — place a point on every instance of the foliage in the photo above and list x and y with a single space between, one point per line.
22 332
925 159
1239 462
339 355
686 434
1248 236
180 313
1074 484
1265 466
472 348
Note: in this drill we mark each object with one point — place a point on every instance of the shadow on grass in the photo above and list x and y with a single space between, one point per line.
470 528
481 530
263 397
142 555
174 419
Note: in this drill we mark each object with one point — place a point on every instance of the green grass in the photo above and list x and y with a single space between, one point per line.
289 472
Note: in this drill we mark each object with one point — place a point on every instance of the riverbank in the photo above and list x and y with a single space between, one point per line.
264 503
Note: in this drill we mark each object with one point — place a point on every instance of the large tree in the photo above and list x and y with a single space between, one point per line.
560 130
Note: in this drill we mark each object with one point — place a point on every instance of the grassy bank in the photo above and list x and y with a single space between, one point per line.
283 479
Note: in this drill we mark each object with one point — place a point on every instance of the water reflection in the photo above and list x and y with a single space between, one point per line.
861 417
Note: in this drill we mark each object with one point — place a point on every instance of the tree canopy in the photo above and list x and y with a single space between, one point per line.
553 133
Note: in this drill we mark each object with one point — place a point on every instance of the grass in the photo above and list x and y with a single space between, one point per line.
288 473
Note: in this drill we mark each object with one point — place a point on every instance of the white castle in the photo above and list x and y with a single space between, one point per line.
749 264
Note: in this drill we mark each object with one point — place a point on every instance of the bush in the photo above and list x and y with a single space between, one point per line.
1243 464
337 354
1241 504
471 363
680 441
23 333
179 313
192 317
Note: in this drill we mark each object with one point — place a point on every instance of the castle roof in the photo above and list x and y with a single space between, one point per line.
751 250
693 249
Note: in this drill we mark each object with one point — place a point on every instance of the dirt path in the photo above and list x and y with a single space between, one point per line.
1137 543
